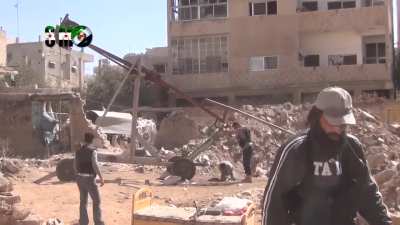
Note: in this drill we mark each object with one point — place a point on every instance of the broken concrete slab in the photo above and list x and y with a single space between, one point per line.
171 180
20 212
10 198
5 184
384 176
182 128
32 219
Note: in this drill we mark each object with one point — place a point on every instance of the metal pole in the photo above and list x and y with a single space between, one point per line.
118 89
135 106
17 6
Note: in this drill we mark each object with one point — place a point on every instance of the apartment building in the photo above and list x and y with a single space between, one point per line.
55 67
154 58
7 74
279 49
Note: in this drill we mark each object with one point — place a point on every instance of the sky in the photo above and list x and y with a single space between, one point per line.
118 26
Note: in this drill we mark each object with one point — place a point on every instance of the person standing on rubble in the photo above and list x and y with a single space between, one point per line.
321 177
243 137
86 167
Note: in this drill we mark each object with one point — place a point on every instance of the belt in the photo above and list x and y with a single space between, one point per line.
85 174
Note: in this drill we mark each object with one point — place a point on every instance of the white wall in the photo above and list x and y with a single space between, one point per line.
326 44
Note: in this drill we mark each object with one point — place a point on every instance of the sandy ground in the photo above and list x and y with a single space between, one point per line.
54 199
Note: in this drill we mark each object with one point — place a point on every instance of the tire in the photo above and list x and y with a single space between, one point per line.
65 170
182 167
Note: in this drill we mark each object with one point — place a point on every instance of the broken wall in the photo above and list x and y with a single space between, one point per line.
79 125
17 128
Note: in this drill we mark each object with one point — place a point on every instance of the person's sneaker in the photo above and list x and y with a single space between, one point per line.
247 179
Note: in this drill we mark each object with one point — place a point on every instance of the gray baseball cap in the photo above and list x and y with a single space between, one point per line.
336 105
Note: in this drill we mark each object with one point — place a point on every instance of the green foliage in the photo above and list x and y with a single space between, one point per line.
103 85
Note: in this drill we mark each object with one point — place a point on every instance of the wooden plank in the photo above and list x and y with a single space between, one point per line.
45 178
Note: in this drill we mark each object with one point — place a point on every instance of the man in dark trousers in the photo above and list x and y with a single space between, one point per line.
321 177
87 169
243 137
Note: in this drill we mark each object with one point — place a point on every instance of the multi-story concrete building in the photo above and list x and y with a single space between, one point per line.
7 74
55 67
154 58
233 49
3 44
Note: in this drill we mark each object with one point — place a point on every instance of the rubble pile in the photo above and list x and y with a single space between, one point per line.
12 212
381 142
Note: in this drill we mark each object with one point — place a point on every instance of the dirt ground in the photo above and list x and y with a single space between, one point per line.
54 199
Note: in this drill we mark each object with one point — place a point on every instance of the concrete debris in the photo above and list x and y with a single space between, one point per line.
12 212
384 176
5 184
167 154
10 198
377 161
20 212
139 169
181 126
32 219
171 180
55 221
381 142
10 165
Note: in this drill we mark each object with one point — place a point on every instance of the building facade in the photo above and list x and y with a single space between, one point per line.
235 49
55 67
3 44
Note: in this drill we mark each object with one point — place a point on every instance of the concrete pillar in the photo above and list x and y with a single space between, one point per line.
296 97
171 100
231 99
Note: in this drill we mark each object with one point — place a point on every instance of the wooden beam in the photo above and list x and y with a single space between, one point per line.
155 109
135 106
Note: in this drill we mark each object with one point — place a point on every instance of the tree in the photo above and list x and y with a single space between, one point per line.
102 86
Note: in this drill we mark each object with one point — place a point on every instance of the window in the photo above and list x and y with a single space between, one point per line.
311 60
262 63
263 7
200 55
51 65
9 57
308 6
375 53
159 68
336 60
272 7
371 3
342 4
199 9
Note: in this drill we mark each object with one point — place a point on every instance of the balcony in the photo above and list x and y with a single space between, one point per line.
291 77
358 19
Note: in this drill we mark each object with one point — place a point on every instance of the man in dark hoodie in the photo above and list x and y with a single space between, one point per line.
321 177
